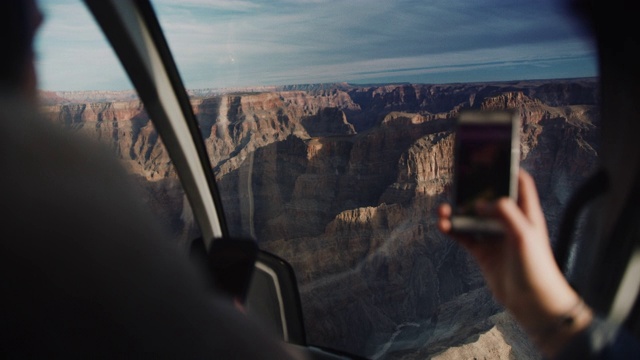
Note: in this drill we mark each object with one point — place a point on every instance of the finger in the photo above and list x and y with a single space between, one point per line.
515 221
444 221
444 210
529 200
445 226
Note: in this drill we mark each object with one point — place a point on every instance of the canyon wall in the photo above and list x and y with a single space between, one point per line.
342 181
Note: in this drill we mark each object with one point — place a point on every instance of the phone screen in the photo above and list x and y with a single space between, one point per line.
484 168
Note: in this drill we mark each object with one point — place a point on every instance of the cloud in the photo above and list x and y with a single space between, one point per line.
72 53
253 42
542 55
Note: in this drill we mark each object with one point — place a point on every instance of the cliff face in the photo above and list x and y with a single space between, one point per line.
343 182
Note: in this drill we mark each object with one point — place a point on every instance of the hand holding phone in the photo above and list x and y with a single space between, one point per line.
487 157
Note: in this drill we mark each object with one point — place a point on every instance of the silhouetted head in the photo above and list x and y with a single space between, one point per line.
613 24
19 21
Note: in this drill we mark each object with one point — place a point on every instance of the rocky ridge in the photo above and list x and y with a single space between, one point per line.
342 181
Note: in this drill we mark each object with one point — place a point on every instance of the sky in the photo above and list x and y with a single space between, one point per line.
238 43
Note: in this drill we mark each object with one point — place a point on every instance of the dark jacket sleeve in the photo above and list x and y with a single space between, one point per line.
602 340
87 272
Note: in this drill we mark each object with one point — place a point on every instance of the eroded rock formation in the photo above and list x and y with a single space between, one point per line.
342 181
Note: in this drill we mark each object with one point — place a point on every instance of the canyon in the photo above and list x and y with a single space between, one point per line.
343 180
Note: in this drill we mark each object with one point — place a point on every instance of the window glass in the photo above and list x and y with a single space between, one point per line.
84 88
331 139
329 127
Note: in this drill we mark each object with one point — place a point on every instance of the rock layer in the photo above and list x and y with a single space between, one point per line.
343 181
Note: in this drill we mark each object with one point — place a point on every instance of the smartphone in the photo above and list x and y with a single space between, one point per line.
486 160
